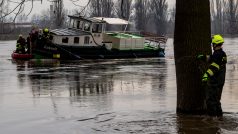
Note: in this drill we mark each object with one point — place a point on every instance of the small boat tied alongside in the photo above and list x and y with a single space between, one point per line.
22 51
20 56
87 38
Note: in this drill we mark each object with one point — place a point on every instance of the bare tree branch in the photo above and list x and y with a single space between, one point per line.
20 4
85 7
19 10
32 4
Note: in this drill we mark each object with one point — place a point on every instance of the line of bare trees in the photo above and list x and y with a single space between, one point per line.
152 15
3 10
224 16
53 17
8 28
147 15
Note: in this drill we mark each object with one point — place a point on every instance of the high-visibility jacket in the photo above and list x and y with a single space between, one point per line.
18 46
216 73
217 62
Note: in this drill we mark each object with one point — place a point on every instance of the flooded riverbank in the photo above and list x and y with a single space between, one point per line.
104 96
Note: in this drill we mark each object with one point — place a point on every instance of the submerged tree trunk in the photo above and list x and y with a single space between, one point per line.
191 37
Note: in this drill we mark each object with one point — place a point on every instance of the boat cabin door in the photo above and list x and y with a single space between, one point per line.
97 30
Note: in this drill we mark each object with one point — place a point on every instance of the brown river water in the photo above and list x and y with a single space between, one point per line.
135 96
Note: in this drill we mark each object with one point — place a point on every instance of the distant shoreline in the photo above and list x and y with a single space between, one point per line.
4 37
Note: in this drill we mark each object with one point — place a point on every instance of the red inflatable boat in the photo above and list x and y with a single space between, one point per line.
21 56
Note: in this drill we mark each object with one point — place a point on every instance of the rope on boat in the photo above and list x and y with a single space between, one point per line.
78 57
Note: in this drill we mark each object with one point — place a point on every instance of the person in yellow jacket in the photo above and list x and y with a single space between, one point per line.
214 76
21 43
46 34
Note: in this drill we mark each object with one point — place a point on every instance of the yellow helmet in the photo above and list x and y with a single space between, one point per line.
217 39
46 30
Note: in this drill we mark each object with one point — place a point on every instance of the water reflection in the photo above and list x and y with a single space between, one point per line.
108 96
21 71
204 125
93 77
197 125
76 78
82 86
159 83
135 84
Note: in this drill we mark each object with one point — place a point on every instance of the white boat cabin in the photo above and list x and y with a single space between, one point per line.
81 32
91 32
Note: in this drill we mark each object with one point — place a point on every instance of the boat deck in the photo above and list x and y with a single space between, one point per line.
124 35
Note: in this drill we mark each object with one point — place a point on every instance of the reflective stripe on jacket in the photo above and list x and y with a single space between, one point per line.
217 61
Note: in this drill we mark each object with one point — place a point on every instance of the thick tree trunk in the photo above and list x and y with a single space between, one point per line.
191 37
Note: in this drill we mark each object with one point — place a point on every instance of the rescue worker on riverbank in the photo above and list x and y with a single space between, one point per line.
21 42
214 77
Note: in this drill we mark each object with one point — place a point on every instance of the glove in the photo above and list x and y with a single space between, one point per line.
205 78
201 57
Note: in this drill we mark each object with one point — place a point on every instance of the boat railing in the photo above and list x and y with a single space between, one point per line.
148 36
154 37
151 39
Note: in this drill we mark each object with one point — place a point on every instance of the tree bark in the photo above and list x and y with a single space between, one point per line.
192 36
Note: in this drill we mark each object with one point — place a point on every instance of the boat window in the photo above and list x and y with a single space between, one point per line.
76 40
79 25
86 26
97 28
86 40
75 24
65 40
71 23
